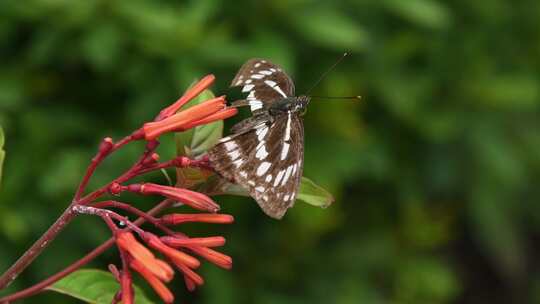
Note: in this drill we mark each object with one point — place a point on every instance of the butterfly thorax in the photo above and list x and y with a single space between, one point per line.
289 104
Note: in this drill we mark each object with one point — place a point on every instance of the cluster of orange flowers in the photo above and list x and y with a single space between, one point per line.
136 245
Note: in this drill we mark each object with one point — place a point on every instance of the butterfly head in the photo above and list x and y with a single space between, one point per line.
290 104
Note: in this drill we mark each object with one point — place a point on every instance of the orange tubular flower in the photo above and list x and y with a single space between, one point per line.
146 258
178 257
194 199
200 86
175 242
180 120
223 114
218 258
163 292
177 218
191 275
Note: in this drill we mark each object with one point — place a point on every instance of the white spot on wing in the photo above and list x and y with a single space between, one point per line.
280 91
258 64
250 182
286 177
230 145
286 197
243 174
248 81
268 178
278 177
284 151
234 154
265 72
260 189
237 163
270 83
247 88
288 130
261 133
255 104
257 76
261 153
263 167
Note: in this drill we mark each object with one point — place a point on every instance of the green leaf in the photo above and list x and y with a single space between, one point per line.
2 153
93 286
314 194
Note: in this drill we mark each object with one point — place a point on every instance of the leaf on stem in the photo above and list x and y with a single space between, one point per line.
309 192
93 286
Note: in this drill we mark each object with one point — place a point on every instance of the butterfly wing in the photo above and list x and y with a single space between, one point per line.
266 160
264 82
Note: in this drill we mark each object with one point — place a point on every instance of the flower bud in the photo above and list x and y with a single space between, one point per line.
178 218
175 255
175 242
191 93
127 242
193 199
180 120
162 291
218 258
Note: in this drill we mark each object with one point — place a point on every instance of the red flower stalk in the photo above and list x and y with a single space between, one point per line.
127 242
218 258
194 199
200 86
163 292
177 218
126 287
175 242
183 119
176 256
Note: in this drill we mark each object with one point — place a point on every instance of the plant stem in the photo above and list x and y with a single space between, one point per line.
36 249
78 264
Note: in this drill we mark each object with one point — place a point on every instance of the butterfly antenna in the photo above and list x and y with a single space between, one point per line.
338 97
327 71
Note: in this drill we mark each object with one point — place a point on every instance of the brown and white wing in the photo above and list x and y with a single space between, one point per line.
267 161
264 82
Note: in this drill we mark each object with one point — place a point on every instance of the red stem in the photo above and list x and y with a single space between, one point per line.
11 274
37 248
100 156
135 211
78 264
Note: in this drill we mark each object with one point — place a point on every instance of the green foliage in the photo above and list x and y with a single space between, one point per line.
93 286
434 172
2 153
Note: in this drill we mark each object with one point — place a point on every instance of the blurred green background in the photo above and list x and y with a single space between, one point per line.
435 172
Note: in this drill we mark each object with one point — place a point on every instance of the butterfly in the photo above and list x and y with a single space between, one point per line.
265 152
